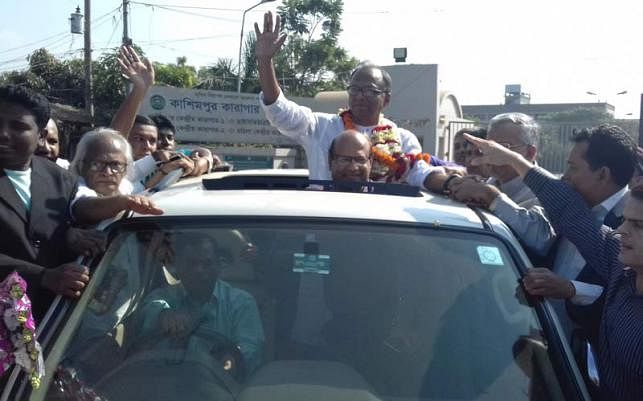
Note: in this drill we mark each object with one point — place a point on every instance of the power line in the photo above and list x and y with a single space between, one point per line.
114 30
150 42
59 56
33 43
185 12
58 35
181 51
186 7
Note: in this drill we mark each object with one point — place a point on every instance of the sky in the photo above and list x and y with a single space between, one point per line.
556 49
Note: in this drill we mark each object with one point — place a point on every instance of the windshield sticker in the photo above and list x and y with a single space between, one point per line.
311 263
490 255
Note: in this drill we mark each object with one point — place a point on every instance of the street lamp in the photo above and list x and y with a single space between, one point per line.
243 21
598 98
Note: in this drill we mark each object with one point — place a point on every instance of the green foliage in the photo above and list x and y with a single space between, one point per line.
63 81
220 76
109 85
311 59
178 75
27 78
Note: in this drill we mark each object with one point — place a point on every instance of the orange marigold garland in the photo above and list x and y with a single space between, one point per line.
391 162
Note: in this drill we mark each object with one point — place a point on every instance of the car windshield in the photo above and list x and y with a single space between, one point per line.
291 310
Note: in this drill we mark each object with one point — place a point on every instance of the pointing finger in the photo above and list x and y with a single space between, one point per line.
477 142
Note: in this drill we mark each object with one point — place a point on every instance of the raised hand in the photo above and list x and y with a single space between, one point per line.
140 72
472 192
493 153
270 41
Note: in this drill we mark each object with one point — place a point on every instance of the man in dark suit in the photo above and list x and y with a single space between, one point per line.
34 204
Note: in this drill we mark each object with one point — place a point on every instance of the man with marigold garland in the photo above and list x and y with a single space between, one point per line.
397 152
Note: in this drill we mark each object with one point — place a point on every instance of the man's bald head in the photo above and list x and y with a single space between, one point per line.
349 157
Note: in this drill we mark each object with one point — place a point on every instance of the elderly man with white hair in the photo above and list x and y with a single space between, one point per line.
505 194
106 171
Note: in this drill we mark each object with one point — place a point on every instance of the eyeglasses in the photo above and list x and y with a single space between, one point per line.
366 91
347 160
99 166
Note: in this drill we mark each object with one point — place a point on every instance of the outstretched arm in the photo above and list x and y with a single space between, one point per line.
140 73
268 44
566 209
92 210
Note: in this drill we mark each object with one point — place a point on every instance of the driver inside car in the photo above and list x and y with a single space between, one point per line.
190 315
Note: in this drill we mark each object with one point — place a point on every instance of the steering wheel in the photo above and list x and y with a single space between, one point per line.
171 374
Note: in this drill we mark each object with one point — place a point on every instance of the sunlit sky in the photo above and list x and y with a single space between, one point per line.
558 50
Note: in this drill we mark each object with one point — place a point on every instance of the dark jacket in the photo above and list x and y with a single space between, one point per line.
34 240
589 316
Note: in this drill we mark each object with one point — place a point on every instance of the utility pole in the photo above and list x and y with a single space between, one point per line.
126 39
89 91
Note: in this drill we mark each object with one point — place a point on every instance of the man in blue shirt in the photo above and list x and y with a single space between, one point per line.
203 303
617 259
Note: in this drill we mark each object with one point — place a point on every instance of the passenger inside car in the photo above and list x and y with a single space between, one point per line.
186 314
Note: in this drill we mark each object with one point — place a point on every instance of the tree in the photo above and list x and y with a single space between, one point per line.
311 60
220 76
558 129
179 75
109 85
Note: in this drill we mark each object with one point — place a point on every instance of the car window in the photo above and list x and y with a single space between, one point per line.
290 310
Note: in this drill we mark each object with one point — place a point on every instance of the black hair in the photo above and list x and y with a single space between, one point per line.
388 82
143 120
163 122
473 131
36 103
609 146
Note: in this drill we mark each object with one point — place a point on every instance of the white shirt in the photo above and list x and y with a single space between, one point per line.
519 208
21 181
62 163
133 182
568 263
316 131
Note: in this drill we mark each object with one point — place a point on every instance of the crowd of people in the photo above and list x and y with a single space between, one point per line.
583 232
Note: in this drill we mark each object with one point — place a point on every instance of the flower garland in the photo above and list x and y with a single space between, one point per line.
18 332
392 162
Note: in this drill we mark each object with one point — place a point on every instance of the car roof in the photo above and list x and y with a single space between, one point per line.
190 198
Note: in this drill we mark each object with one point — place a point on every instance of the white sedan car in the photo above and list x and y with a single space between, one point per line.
253 287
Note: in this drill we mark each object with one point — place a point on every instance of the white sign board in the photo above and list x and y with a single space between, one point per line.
213 116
